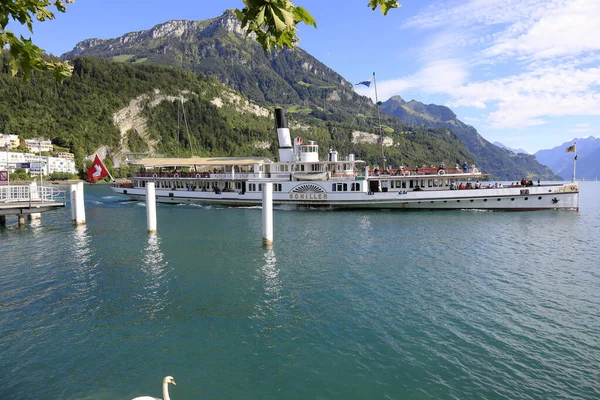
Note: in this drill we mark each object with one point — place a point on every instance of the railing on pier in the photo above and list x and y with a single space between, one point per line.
31 193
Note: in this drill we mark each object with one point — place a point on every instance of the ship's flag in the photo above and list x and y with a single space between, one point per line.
367 83
97 170
571 149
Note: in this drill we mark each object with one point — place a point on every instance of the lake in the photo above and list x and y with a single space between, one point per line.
347 304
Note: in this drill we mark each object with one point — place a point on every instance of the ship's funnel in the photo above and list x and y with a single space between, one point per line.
286 151
280 118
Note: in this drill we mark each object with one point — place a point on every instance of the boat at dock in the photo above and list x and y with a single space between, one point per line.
301 180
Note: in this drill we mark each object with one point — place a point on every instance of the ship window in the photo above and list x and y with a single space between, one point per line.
260 187
333 187
539 198
346 188
356 187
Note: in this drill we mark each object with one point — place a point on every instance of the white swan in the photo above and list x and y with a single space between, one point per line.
166 381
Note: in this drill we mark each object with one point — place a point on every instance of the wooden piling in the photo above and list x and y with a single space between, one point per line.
151 207
267 214
79 205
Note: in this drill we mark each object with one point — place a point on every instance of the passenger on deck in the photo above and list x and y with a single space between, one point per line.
461 186
465 167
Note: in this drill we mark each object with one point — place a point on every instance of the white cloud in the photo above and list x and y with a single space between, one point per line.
567 29
550 47
579 128
437 77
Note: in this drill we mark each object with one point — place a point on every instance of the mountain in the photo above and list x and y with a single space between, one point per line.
316 97
114 108
217 47
516 151
502 163
561 162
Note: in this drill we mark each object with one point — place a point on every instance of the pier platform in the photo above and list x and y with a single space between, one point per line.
29 199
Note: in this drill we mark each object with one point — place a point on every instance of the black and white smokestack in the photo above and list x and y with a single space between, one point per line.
280 118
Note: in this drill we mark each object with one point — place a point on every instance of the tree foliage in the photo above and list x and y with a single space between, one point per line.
27 57
274 22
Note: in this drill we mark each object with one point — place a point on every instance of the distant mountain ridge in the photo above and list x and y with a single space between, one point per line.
588 158
516 151
504 164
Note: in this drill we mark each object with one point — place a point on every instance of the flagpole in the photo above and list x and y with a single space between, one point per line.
383 166
574 160
7 170
111 177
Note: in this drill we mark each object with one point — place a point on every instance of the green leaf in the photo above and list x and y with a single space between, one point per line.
278 24
386 5
301 15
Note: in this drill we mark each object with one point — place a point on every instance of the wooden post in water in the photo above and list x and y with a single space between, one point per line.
79 205
2 220
33 216
73 198
151 207
21 218
267 214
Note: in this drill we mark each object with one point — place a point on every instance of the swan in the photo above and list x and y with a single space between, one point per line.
166 381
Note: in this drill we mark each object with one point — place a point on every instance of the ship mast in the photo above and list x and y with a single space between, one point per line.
383 166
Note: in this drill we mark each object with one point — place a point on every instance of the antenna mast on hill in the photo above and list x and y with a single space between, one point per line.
383 166
187 127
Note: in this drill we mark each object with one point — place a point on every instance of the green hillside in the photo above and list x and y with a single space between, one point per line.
503 163
79 115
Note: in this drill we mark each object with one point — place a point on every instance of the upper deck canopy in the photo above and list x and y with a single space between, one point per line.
199 161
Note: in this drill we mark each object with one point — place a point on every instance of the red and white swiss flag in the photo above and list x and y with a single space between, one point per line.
97 170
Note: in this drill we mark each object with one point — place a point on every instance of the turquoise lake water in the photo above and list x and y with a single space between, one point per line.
347 304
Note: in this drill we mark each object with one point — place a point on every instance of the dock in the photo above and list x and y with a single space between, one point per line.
30 200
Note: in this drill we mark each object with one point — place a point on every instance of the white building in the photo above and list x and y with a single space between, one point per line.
64 154
11 140
37 145
31 163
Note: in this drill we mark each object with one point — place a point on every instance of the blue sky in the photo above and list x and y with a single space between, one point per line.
523 72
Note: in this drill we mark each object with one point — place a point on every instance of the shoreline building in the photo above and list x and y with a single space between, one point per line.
31 163
12 141
39 145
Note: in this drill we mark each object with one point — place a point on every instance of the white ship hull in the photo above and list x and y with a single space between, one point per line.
546 197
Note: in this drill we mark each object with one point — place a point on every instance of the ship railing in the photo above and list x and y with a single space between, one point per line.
31 193
198 175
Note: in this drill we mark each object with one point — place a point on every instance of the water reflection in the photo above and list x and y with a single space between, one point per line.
269 274
153 266
83 267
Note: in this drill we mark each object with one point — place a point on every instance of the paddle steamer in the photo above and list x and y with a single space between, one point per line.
301 180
